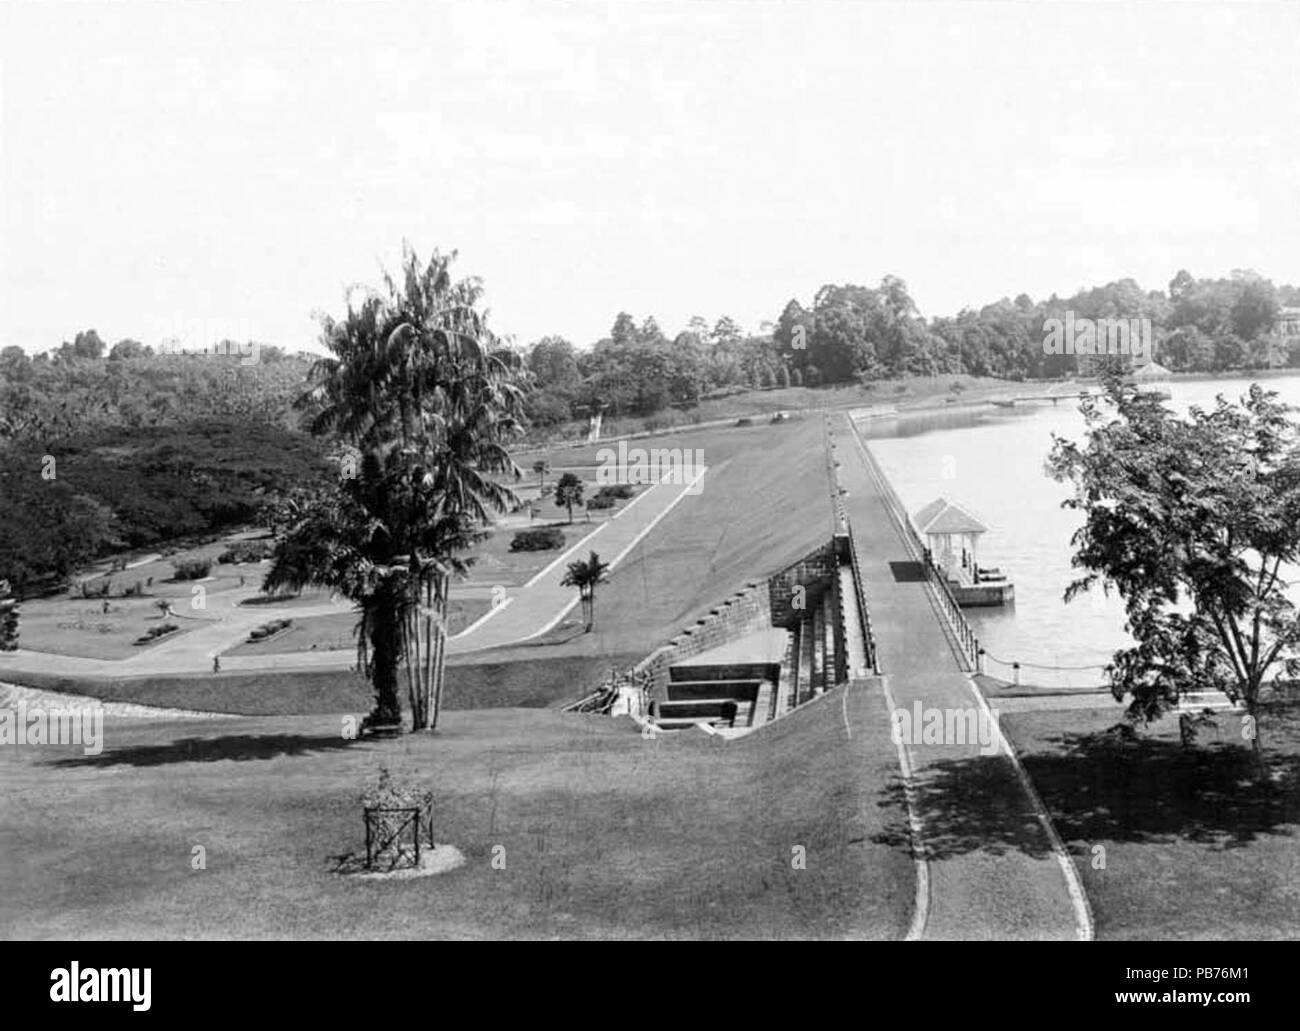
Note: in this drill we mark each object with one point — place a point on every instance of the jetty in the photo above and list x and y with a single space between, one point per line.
952 536
1072 395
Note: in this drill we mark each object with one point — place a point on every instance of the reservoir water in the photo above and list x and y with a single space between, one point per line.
991 460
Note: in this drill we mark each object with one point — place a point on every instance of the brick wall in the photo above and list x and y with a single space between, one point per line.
760 604
744 612
815 572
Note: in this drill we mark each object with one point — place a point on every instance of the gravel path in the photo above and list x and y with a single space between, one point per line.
11 695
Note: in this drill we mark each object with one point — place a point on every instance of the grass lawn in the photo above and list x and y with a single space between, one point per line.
477 681
82 628
763 504
762 404
604 834
273 693
1195 846
336 632
495 563
309 598
75 625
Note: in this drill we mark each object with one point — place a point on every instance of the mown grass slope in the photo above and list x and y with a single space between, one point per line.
599 832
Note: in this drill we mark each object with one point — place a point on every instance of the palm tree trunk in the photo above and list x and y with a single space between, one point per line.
411 646
430 648
440 660
385 647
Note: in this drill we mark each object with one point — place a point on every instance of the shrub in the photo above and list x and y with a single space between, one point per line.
601 501
544 538
746 421
153 633
621 491
246 551
192 568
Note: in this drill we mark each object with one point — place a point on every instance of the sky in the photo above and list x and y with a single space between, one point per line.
230 169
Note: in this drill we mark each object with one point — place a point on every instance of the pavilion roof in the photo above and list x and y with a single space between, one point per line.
944 516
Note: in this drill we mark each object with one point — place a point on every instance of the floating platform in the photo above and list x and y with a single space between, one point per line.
984 595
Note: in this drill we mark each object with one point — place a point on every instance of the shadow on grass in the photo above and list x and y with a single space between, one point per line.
1106 785
561 634
966 806
239 747
1100 786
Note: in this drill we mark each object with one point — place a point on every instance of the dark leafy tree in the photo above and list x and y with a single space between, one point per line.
569 492
8 618
1194 522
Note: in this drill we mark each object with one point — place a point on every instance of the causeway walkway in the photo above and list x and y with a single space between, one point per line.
994 870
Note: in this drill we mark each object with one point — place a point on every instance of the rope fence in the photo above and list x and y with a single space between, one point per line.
1029 673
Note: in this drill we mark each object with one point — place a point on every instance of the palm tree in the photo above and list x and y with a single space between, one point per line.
585 576
568 492
541 467
420 388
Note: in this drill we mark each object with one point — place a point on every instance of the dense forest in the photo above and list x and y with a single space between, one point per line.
105 448
110 449
870 333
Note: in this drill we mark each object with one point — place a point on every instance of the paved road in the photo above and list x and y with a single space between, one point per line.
993 872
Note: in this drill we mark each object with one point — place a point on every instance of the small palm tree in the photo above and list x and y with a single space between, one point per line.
585 576
541 467
568 492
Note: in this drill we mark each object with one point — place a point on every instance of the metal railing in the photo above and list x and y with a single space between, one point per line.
864 613
840 516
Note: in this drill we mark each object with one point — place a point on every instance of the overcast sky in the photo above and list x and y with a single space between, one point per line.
240 164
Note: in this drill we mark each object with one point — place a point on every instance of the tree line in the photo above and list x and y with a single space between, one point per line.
863 333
